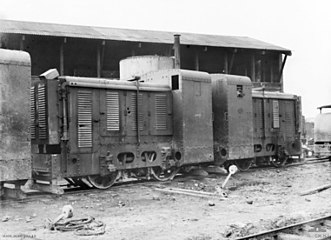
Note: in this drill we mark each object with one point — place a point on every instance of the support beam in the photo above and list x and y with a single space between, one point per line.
22 43
98 61
177 50
232 60
253 68
197 66
226 63
280 77
62 56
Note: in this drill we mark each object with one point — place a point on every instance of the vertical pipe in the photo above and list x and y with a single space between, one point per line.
177 50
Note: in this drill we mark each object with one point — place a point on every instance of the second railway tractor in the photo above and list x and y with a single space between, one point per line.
93 131
322 132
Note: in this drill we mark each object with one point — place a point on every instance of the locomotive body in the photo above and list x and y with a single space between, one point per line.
96 129
15 78
232 125
276 126
322 132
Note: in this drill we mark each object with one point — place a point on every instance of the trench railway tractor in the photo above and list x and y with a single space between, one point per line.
322 132
15 157
233 126
96 131
276 122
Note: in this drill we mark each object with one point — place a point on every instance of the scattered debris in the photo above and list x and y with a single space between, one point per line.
28 219
189 192
211 204
157 198
83 227
121 204
316 190
198 172
249 202
5 219
216 170
67 212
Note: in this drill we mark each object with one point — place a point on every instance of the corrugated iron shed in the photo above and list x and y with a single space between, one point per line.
74 31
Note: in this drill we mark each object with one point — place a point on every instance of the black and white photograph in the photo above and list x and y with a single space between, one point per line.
165 120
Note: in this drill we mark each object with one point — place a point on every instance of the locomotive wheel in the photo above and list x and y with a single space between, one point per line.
164 175
103 182
278 161
244 164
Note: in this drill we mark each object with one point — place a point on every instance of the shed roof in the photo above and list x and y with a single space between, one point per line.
133 35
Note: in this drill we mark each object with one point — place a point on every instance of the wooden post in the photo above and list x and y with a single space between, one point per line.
197 66
98 61
226 64
177 50
253 68
22 42
62 56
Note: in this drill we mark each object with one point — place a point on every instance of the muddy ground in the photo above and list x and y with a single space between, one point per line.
260 199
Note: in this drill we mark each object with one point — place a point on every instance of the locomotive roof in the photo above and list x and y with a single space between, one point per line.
325 106
276 95
134 35
14 57
114 84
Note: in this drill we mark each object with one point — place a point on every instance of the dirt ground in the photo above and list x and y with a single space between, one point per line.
259 199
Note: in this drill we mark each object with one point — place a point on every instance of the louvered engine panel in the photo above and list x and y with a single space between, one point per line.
160 112
32 114
275 114
113 111
134 110
84 118
289 117
258 115
42 117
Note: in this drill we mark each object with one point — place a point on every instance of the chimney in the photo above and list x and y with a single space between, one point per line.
177 50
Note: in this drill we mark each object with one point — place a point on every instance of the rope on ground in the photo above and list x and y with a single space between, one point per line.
83 226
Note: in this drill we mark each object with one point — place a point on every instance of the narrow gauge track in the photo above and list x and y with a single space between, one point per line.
301 162
85 190
319 228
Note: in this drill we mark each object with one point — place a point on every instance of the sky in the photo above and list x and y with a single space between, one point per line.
303 26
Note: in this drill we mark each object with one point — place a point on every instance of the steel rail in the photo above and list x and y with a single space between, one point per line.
275 233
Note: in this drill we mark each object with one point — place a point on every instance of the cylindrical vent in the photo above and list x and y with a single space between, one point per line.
140 65
177 50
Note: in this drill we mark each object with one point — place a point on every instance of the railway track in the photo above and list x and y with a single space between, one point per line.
319 228
32 195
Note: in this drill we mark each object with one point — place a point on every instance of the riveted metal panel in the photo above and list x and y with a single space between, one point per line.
84 109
